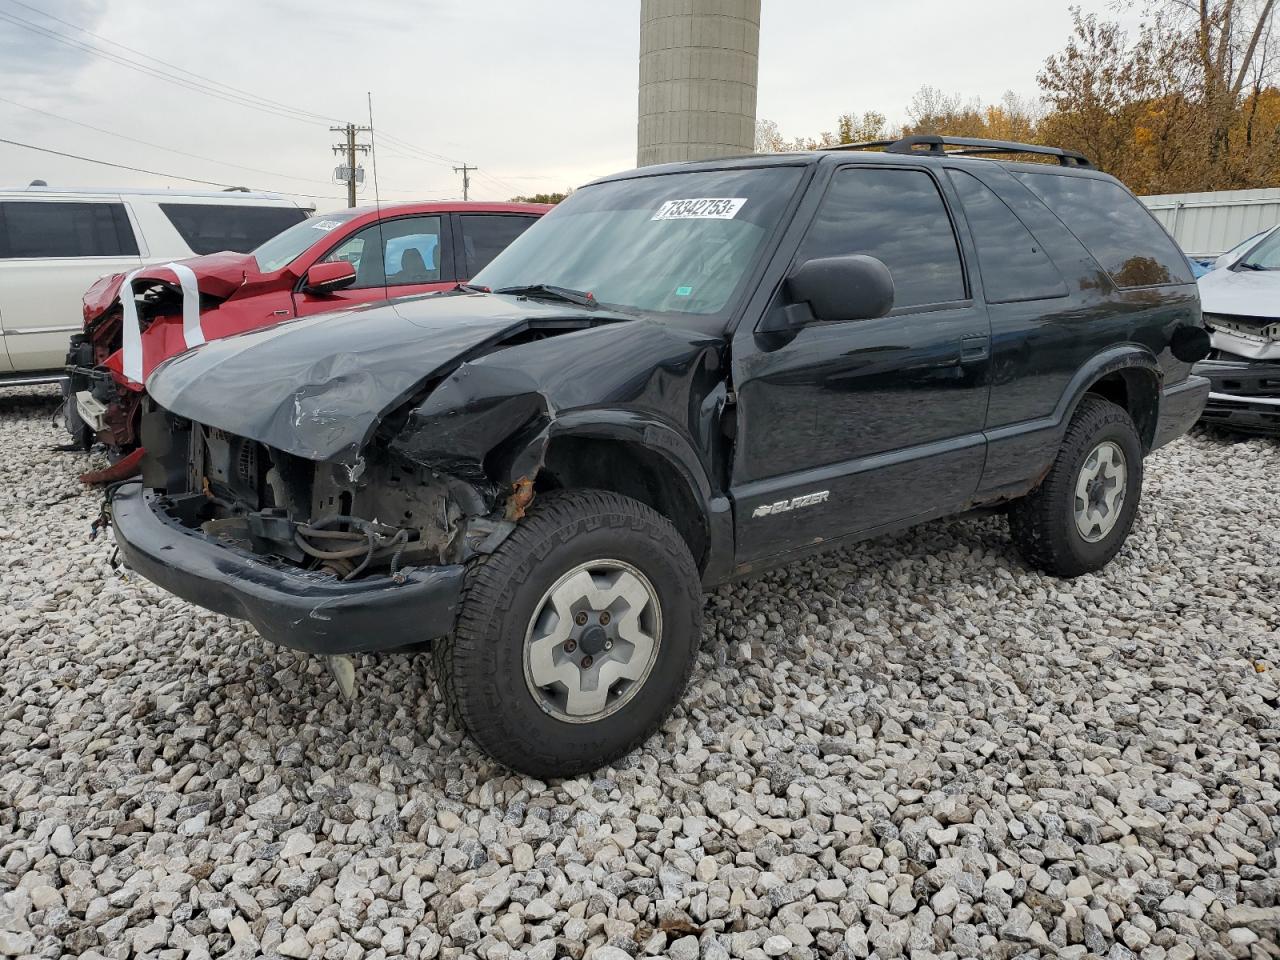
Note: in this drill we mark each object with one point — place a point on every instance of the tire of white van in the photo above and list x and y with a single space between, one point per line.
576 636
81 433
1082 512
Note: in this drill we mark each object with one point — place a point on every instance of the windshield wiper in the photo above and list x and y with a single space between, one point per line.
1251 266
552 292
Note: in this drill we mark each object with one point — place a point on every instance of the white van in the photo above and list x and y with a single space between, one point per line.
55 243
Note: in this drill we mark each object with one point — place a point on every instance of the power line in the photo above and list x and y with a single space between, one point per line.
201 84
152 72
423 152
107 163
158 146
499 182
154 173
174 66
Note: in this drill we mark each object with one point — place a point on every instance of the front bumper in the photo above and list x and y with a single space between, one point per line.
307 611
1180 407
1244 394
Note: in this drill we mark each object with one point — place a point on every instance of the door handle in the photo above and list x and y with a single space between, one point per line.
974 348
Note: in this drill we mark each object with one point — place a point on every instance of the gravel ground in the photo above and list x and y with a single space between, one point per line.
916 748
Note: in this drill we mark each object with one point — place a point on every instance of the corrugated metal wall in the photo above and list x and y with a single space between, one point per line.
1207 224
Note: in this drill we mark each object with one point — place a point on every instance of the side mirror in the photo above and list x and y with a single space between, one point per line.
1223 261
325 278
854 287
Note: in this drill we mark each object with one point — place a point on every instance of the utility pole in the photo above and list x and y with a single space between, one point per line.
349 150
466 179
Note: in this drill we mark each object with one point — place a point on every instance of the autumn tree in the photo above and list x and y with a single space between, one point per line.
1179 106
542 197
1231 44
850 128
1095 88
1187 101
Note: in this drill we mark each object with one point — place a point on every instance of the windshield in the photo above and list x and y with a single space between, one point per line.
675 243
1265 256
284 248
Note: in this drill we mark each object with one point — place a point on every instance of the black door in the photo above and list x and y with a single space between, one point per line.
848 427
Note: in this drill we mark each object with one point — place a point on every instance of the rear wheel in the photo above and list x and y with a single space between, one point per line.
1081 514
576 636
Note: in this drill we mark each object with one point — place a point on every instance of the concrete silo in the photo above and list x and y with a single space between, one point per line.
699 64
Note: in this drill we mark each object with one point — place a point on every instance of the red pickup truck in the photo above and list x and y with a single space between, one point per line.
329 262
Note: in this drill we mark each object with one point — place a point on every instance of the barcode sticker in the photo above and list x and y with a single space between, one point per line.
700 208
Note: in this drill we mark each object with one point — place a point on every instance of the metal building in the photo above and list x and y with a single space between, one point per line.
699 63
1207 224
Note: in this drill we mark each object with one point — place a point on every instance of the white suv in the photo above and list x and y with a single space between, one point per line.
55 243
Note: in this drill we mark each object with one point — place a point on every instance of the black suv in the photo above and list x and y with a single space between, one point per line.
682 375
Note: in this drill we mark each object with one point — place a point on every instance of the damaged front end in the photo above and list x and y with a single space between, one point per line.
322 556
378 516
1244 373
315 557
331 479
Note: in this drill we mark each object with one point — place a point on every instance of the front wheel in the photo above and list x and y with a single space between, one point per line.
1081 514
576 636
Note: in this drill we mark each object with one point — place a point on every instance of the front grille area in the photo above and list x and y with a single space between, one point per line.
1261 329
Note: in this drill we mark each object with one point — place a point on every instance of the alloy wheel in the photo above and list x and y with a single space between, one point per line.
592 641
1100 489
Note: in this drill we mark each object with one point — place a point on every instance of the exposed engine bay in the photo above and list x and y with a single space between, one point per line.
349 522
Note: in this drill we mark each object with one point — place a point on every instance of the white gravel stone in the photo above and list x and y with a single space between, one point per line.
777 945
916 746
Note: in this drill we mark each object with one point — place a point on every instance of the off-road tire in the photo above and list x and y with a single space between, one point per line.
1043 522
480 668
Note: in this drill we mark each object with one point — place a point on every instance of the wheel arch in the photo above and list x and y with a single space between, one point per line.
1128 376
645 459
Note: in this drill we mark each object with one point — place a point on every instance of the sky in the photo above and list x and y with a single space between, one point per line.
540 97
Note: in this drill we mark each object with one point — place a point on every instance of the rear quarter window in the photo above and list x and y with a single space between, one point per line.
1114 227
1014 266
214 227
38 229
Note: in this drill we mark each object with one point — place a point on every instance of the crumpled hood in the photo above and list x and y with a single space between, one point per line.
317 387
1250 293
218 275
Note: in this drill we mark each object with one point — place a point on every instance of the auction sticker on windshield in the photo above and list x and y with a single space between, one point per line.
326 225
700 208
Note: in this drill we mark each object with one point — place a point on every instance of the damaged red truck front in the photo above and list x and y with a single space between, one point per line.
135 321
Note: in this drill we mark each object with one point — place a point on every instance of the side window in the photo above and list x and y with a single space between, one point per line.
53 228
1115 228
484 236
1013 265
400 252
214 227
898 217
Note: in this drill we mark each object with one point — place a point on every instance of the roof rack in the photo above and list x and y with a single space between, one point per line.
935 145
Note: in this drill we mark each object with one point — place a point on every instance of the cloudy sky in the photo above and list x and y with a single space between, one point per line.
540 96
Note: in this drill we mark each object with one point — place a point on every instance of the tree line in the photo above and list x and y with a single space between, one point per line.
1188 102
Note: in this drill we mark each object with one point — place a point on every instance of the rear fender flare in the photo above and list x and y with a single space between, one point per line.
1121 358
